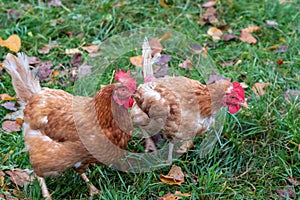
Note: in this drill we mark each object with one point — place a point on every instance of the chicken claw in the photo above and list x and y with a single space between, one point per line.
150 146
43 185
93 189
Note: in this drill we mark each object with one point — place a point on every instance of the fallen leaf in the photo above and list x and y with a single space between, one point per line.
291 95
272 48
215 33
174 177
92 49
19 176
187 64
271 23
213 78
285 1
1 178
209 17
54 3
43 70
13 14
72 51
282 49
293 180
177 195
46 48
76 60
228 37
244 85
162 71
196 48
122 3
137 60
33 60
163 3
209 4
11 126
251 29
227 63
9 105
286 192
163 59
55 72
279 62
6 97
246 36
14 115
155 45
84 70
165 36
260 89
13 43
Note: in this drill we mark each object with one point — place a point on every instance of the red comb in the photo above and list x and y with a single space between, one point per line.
124 78
238 89
121 74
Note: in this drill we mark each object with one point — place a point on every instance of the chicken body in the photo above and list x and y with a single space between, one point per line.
179 107
55 121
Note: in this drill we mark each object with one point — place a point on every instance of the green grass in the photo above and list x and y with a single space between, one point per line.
258 149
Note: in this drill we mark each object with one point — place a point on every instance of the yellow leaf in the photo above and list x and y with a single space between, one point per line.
72 51
163 3
137 60
174 177
252 29
165 36
215 33
6 97
13 43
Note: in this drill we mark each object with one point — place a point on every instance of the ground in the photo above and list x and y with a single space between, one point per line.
257 156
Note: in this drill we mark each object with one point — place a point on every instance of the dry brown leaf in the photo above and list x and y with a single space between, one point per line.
137 60
76 60
165 36
228 37
13 14
13 43
33 60
1 178
46 48
215 33
6 97
209 17
209 4
291 94
284 192
282 49
174 177
187 64
122 3
11 126
72 51
14 115
43 70
177 195
227 63
293 181
163 3
252 29
54 3
9 105
260 89
155 45
279 62
247 37
92 49
19 176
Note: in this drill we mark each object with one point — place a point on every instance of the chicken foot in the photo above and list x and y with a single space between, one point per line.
93 189
149 146
45 192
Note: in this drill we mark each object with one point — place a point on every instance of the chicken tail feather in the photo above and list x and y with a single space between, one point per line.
23 80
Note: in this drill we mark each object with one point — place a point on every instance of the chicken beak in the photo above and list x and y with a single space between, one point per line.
244 104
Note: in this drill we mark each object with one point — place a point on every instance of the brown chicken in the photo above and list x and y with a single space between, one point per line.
55 122
179 107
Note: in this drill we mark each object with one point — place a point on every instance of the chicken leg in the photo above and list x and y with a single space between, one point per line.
149 146
93 189
43 185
